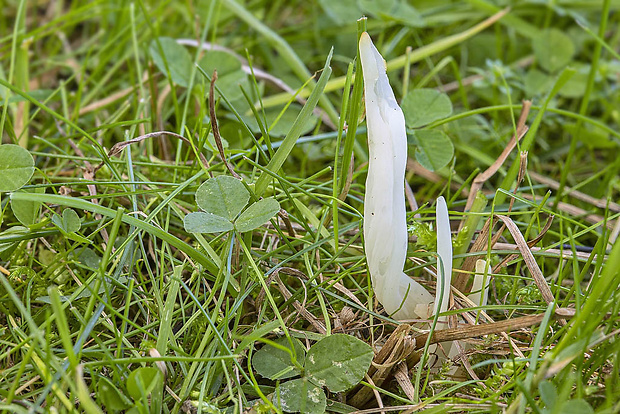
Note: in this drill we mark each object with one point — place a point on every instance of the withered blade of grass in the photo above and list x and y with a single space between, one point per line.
573 210
489 172
530 244
443 335
283 214
528 257
401 375
215 128
413 204
398 346
570 192
89 172
462 278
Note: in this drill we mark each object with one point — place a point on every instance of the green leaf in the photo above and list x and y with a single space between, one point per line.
300 395
274 363
201 222
142 381
341 11
397 10
576 406
223 62
111 397
87 404
229 73
87 257
6 249
224 196
576 85
16 167
423 106
592 136
230 84
553 49
40 95
537 82
69 222
212 145
434 149
257 214
548 393
338 362
175 56
27 212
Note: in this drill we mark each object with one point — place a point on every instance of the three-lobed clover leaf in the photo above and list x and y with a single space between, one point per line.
223 199
337 362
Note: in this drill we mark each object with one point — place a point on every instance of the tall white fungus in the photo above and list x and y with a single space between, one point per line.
385 225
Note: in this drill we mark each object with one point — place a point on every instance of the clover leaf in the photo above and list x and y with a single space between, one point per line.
223 200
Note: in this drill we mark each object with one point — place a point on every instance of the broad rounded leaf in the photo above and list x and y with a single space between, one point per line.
548 393
338 362
576 406
302 396
537 82
111 397
257 214
273 363
434 149
221 61
69 222
142 381
341 11
223 196
575 87
175 56
553 49
423 106
201 222
16 167
230 75
400 11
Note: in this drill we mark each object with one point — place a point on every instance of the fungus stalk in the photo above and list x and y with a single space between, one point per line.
444 260
385 224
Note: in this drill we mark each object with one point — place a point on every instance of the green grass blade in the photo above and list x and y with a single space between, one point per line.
291 137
